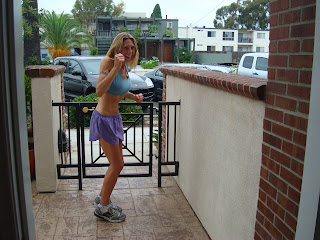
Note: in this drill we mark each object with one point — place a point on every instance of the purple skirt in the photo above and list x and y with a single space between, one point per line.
109 128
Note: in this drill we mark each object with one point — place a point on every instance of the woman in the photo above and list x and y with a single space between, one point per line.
106 123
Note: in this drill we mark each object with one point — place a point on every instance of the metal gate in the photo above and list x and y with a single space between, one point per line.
80 158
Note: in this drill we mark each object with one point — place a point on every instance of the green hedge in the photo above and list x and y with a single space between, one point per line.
94 98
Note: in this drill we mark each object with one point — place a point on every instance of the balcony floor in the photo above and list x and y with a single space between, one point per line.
152 212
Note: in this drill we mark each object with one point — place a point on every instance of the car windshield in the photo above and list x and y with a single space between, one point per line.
92 66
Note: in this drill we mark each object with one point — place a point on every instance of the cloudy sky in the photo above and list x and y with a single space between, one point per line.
196 12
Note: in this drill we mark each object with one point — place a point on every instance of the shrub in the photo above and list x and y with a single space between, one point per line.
149 64
123 29
94 98
46 61
184 55
93 51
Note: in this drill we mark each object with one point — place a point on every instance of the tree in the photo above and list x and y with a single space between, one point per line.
30 25
247 14
60 33
85 11
156 12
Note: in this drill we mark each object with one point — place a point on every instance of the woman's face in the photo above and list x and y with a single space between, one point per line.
128 50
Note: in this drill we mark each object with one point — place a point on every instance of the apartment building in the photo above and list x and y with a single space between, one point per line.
227 40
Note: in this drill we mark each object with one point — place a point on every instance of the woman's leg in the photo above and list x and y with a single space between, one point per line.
115 158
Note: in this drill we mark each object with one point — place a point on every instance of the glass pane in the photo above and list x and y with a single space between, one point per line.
262 64
247 62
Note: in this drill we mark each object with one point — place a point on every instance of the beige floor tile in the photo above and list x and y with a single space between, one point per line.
109 230
141 222
145 205
166 201
83 211
51 212
87 225
67 226
125 201
199 233
143 182
173 233
45 226
147 191
43 237
137 234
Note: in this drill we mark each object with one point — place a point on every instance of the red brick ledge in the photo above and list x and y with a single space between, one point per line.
243 85
43 71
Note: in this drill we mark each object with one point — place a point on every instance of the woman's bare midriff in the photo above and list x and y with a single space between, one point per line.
109 104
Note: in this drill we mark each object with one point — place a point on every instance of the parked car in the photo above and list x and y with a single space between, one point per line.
254 65
156 75
81 75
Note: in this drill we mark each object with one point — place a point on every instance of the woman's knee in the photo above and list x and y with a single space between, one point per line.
117 165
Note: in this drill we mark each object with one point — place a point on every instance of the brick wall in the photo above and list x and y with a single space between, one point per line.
292 29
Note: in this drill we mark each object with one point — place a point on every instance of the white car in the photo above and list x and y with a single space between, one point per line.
254 65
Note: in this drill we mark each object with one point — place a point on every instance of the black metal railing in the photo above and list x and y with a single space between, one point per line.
164 140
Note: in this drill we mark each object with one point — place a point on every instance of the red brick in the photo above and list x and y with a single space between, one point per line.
256 236
286 103
289 46
279 33
307 45
301 61
289 17
265 211
267 125
273 231
288 75
293 150
280 157
273 21
265 150
288 204
274 87
272 140
309 13
299 92
264 173
297 167
279 5
284 229
274 114
291 221
296 122
278 60
260 218
278 183
262 196
270 99
291 178
271 165
266 187
303 107
300 138
271 73
305 77
303 30
298 3
282 131
263 233
294 195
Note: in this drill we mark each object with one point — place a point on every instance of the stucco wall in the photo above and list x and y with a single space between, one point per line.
219 149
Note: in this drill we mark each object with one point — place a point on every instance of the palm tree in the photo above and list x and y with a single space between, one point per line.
60 33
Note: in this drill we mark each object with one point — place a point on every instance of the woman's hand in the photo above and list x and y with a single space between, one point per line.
118 60
138 98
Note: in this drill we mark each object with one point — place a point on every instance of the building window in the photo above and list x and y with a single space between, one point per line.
227 48
260 49
199 45
228 36
261 35
211 48
211 33
169 24
243 49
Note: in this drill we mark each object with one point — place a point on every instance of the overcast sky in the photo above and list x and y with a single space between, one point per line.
197 12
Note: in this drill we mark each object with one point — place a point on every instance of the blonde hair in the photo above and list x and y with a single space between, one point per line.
117 44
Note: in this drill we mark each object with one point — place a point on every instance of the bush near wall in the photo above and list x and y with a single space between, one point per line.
94 98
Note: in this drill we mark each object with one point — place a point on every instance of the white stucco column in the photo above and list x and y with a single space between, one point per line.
46 88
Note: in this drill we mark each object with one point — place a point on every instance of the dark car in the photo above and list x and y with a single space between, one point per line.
156 75
81 75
